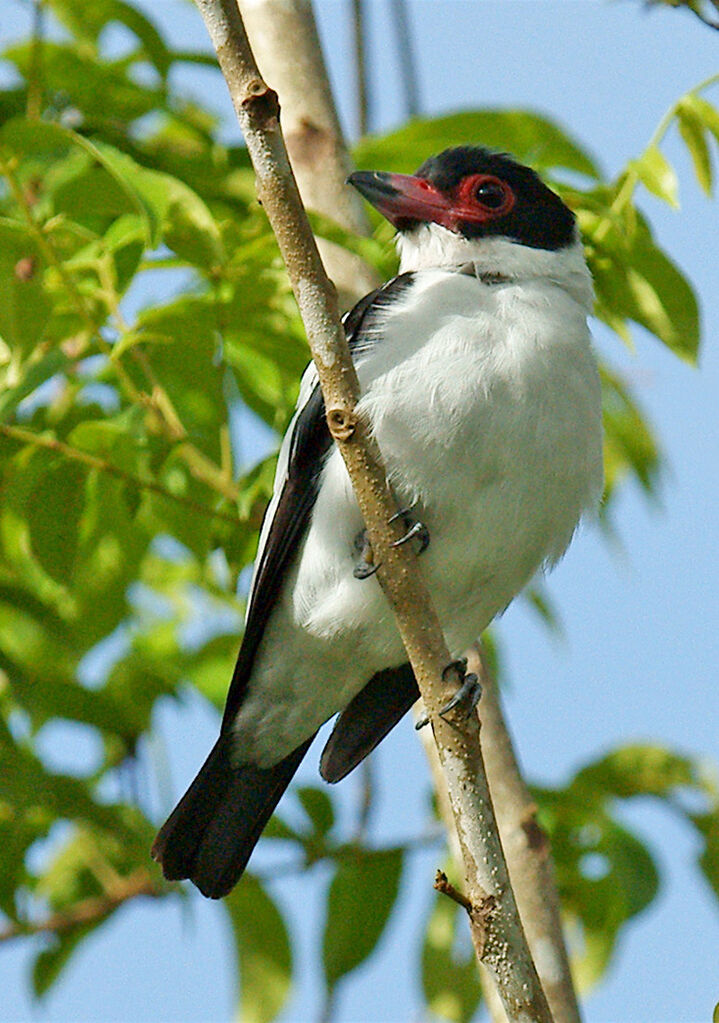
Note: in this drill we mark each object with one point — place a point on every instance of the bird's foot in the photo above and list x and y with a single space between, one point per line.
415 529
366 565
464 700
467 696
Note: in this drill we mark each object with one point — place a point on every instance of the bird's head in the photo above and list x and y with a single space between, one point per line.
471 205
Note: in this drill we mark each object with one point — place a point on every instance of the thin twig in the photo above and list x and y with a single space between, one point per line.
50 443
405 51
444 885
88 911
359 33
499 940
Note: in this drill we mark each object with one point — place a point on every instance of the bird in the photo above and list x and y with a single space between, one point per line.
479 381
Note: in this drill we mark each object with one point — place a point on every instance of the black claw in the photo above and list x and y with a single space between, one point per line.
459 667
467 696
421 721
364 570
366 565
415 528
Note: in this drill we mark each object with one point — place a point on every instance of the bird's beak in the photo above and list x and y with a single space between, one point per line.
401 198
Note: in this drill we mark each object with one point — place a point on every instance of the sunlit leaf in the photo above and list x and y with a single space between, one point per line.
655 171
361 897
25 305
263 952
528 136
692 130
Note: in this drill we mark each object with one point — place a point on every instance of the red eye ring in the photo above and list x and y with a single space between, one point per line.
487 194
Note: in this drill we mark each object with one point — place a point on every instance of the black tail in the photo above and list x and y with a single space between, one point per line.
211 833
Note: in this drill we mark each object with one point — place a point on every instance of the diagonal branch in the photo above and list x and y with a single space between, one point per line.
50 443
526 846
498 937
87 911
312 131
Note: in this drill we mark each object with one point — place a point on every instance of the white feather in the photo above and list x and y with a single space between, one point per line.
485 400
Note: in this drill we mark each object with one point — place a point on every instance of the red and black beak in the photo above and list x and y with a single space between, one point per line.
401 198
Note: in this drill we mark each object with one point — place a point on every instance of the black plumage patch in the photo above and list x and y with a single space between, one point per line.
538 219
366 720
310 445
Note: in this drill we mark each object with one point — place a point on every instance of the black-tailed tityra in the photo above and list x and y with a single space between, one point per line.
478 379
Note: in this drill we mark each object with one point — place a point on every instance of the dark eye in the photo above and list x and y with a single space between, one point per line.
490 194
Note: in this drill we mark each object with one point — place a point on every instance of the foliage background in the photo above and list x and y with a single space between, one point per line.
640 627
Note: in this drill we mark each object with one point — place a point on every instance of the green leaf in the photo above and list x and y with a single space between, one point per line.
708 827
542 603
50 962
655 171
54 513
361 897
450 981
528 136
182 347
25 306
87 22
708 114
318 807
34 373
187 224
691 128
34 792
635 770
635 279
605 874
263 951
629 443
90 87
665 301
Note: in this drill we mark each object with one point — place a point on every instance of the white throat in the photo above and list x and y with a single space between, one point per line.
432 247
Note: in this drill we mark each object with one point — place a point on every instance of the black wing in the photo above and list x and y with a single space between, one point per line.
365 721
310 445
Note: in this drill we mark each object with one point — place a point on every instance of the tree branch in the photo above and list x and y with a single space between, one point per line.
42 440
359 32
500 944
526 847
88 911
311 129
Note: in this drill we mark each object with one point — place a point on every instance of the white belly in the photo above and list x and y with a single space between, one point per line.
490 430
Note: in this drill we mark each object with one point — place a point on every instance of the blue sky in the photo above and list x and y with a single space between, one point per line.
639 657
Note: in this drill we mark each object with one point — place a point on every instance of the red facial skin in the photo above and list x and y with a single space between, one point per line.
403 197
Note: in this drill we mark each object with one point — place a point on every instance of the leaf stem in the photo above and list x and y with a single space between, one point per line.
24 436
631 177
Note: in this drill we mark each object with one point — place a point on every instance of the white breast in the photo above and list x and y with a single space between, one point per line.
485 401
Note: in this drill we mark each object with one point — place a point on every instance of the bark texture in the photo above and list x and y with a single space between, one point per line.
312 130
